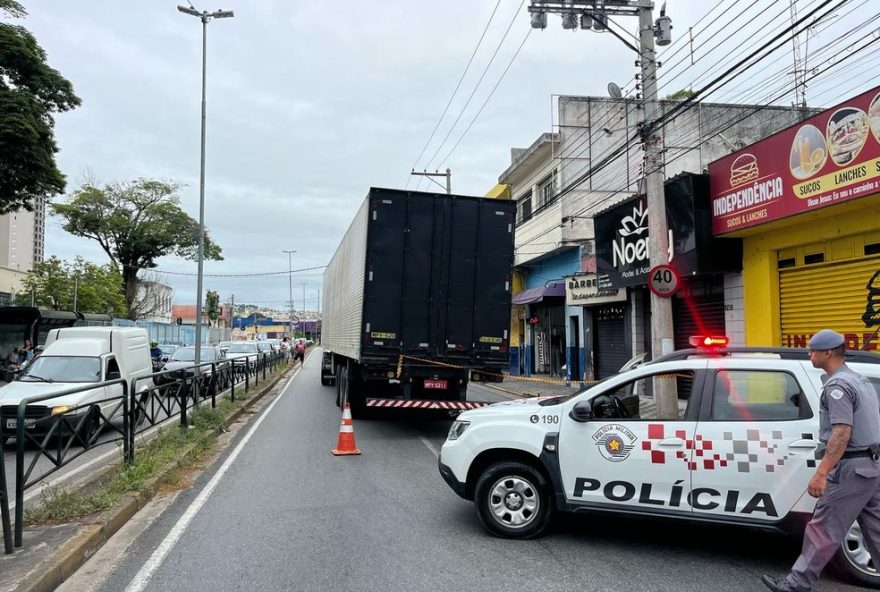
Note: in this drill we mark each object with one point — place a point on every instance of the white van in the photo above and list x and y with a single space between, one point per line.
76 357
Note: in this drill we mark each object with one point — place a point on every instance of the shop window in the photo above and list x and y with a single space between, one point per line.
814 258
872 249
741 395
786 263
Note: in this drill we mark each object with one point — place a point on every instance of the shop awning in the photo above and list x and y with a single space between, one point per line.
538 294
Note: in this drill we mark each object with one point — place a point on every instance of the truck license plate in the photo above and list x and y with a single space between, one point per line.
12 423
436 384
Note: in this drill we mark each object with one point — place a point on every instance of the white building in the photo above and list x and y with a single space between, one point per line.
573 324
22 244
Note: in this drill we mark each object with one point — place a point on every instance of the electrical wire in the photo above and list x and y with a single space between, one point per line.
455 91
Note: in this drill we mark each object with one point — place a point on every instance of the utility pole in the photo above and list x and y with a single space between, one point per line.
290 290
430 176
594 15
75 288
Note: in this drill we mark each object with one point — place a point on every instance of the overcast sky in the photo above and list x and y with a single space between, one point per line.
312 102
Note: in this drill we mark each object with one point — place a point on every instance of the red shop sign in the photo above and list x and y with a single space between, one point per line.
827 159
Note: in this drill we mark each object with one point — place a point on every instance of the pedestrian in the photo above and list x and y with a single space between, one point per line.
299 351
285 349
25 352
847 481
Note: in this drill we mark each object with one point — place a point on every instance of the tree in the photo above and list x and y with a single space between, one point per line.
212 307
135 222
680 95
30 93
53 284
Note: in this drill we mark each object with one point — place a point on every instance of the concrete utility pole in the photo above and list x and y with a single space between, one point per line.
290 288
594 15
430 176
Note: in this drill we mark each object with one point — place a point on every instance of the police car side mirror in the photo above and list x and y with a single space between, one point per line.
582 411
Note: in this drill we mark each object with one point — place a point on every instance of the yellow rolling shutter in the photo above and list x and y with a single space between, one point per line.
827 296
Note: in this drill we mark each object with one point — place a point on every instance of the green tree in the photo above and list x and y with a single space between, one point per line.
30 93
53 283
212 306
135 223
680 95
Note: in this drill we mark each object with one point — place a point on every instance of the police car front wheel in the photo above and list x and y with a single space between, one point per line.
512 500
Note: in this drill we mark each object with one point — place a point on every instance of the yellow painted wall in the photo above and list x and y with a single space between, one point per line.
500 191
516 310
760 274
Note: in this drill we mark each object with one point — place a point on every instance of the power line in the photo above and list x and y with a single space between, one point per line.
231 275
457 86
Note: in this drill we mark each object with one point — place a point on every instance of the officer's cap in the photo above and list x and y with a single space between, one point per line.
826 339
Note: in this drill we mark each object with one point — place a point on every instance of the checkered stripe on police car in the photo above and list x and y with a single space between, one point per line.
754 453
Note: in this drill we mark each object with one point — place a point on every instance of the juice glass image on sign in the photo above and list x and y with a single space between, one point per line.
808 153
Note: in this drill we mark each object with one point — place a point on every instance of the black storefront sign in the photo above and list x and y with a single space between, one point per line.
622 255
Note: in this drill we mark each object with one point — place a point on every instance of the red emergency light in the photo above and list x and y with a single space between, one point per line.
709 341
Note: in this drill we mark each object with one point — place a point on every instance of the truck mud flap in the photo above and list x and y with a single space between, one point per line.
424 404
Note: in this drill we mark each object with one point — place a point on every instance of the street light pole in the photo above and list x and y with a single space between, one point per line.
204 16
290 288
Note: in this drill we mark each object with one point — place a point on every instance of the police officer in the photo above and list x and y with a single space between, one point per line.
847 481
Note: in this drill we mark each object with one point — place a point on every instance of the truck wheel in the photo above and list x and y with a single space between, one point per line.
512 500
854 561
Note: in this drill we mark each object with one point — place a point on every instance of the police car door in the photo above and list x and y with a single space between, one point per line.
628 455
762 432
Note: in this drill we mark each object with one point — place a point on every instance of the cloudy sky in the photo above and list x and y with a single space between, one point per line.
312 102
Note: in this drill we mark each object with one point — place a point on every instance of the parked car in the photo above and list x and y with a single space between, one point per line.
242 349
265 347
168 350
182 362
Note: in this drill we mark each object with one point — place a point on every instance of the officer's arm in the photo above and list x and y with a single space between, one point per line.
837 443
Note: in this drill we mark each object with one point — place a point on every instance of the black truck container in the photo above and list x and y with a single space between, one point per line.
417 300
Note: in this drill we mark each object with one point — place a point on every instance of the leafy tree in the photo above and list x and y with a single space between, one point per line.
135 223
680 95
212 306
30 93
53 282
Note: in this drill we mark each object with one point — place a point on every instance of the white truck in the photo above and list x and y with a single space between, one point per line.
77 357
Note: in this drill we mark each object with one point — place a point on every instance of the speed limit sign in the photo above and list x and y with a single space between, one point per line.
663 280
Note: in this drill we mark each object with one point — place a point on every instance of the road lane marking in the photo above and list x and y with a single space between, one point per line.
140 581
430 446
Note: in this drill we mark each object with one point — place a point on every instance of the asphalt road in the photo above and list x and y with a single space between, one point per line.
281 513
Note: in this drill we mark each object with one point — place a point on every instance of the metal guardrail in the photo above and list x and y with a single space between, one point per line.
67 434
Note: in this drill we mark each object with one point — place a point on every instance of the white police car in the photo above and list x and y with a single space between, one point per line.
739 447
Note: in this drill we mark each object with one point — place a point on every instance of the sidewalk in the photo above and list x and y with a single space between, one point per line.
534 386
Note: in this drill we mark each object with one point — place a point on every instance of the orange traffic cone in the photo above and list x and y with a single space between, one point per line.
345 445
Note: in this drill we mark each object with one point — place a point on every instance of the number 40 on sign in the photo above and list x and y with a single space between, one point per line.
663 280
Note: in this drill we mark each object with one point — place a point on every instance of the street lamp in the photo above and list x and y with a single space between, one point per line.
204 16
290 288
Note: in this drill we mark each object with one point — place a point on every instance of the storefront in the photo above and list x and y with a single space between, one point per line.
543 314
704 264
806 202
595 334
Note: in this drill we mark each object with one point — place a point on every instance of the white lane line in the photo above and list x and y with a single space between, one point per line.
430 446
140 581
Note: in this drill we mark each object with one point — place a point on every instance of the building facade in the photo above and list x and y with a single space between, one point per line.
806 204
571 322
23 238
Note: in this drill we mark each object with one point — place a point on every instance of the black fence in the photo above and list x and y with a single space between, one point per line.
115 414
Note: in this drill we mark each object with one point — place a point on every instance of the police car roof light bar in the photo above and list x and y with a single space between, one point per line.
709 341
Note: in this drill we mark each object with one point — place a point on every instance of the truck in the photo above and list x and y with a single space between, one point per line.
417 300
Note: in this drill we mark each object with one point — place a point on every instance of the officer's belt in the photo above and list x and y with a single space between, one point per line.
857 453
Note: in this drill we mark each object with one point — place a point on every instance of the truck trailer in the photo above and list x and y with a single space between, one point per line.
417 300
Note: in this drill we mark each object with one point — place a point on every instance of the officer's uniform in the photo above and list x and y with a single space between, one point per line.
853 489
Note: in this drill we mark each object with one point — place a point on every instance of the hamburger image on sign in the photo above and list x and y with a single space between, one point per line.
846 133
874 116
743 170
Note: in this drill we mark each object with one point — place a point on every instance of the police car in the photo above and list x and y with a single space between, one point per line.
710 434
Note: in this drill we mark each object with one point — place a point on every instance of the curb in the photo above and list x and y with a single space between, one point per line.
91 537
